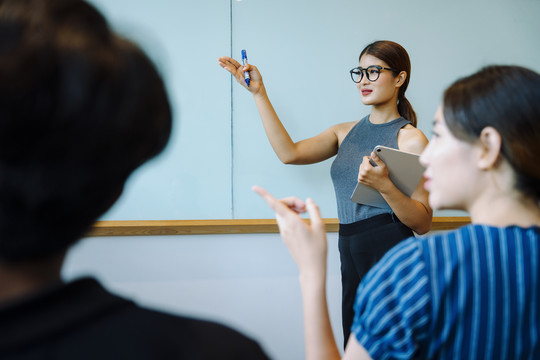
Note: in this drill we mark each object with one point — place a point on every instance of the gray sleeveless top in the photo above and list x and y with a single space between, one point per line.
359 142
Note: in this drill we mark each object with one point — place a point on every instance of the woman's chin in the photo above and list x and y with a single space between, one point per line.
435 203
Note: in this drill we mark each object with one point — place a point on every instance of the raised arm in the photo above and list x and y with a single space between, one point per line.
308 246
308 151
413 211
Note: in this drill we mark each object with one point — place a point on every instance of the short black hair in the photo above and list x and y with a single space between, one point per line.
80 109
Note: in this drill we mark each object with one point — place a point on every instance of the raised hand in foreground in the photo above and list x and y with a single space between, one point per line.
307 244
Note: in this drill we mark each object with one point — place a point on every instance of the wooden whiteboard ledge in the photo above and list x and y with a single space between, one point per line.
235 226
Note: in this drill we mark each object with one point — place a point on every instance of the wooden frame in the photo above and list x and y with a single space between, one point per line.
234 226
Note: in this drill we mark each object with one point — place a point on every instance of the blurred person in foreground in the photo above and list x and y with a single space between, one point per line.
80 109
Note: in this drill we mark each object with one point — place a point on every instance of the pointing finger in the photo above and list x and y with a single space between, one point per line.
292 203
314 213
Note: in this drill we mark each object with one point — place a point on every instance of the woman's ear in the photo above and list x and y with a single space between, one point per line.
490 142
400 79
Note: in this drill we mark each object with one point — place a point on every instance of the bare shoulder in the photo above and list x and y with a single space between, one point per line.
411 139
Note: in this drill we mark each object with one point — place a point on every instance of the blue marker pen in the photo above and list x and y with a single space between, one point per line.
244 62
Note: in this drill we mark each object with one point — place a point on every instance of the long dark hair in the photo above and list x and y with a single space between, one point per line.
397 58
506 98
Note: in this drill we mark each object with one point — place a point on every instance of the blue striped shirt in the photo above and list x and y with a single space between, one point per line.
472 293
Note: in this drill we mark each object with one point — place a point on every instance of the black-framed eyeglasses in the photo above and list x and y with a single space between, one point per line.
372 72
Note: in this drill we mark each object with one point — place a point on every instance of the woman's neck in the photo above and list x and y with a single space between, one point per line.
512 209
496 201
383 113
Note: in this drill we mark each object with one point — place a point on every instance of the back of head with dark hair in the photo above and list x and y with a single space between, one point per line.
506 98
80 109
397 58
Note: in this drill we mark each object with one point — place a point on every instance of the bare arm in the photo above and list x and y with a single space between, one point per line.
308 246
308 151
413 211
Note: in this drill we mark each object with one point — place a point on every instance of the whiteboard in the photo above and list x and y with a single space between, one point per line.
304 49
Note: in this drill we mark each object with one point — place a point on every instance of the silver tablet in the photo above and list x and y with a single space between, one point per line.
404 169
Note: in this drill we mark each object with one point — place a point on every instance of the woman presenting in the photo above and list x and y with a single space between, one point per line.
365 232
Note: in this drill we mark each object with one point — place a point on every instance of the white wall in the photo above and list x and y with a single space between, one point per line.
247 281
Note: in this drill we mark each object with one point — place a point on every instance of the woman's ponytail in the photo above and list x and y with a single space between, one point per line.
405 108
